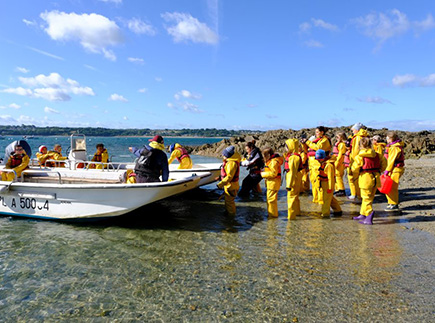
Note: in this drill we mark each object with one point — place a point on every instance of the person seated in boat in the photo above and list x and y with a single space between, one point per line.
17 162
131 177
42 155
101 156
179 152
56 154
152 161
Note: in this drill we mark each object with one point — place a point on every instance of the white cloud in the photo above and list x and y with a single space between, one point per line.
50 110
427 24
22 70
324 25
29 23
51 87
411 80
306 27
14 106
313 43
374 99
190 107
143 90
6 118
187 94
383 26
90 67
117 97
46 53
113 1
140 27
125 118
406 125
158 79
188 28
136 60
93 31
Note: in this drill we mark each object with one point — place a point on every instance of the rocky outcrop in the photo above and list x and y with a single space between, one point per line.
417 143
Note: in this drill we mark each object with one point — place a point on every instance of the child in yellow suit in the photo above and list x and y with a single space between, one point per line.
180 153
230 171
367 166
17 162
272 176
293 167
339 150
326 176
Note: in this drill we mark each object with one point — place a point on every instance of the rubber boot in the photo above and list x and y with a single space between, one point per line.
359 217
369 219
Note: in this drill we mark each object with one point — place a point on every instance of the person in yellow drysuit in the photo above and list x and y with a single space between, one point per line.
230 171
293 167
303 151
56 154
378 145
326 178
395 168
181 154
42 155
17 162
359 132
131 177
101 156
319 141
367 166
272 176
338 151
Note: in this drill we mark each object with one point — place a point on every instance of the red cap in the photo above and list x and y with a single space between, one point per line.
157 138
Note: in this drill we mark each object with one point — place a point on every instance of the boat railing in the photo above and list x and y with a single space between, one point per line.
40 172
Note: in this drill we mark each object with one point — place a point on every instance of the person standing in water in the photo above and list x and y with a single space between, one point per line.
254 163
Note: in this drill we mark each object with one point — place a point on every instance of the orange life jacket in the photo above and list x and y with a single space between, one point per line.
236 175
184 154
16 160
371 164
286 167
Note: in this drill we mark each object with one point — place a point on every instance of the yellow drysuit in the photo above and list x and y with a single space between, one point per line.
394 152
353 180
272 176
321 143
368 182
339 166
185 162
9 176
293 178
326 177
230 181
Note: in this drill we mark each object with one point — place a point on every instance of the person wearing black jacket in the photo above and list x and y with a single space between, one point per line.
254 163
152 161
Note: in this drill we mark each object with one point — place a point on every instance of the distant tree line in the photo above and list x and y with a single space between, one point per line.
31 130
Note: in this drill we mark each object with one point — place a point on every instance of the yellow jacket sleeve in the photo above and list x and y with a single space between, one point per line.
341 151
330 172
321 144
176 153
58 156
356 165
105 157
383 162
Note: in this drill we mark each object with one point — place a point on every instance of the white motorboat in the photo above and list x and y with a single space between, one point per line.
46 194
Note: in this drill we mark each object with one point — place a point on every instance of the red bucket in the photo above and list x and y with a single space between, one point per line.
386 184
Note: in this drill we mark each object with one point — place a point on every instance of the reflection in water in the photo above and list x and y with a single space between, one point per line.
184 260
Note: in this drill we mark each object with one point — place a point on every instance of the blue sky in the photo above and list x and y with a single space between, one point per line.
218 64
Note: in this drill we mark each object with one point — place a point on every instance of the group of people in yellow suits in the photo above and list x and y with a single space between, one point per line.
318 162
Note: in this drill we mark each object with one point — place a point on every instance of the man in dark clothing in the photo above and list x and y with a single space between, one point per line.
152 161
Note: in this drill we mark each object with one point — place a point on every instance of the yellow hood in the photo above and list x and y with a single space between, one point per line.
362 133
177 145
156 145
292 145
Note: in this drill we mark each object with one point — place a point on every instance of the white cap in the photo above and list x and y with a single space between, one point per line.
357 126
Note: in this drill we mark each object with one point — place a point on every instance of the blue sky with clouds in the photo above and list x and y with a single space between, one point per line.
218 64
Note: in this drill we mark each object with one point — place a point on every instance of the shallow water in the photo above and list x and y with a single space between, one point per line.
182 259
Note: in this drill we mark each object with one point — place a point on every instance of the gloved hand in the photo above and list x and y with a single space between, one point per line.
329 191
244 163
386 173
288 189
219 185
312 138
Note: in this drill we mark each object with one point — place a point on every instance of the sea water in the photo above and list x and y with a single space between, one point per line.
183 260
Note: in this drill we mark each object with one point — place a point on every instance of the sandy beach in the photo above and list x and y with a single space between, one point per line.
417 194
